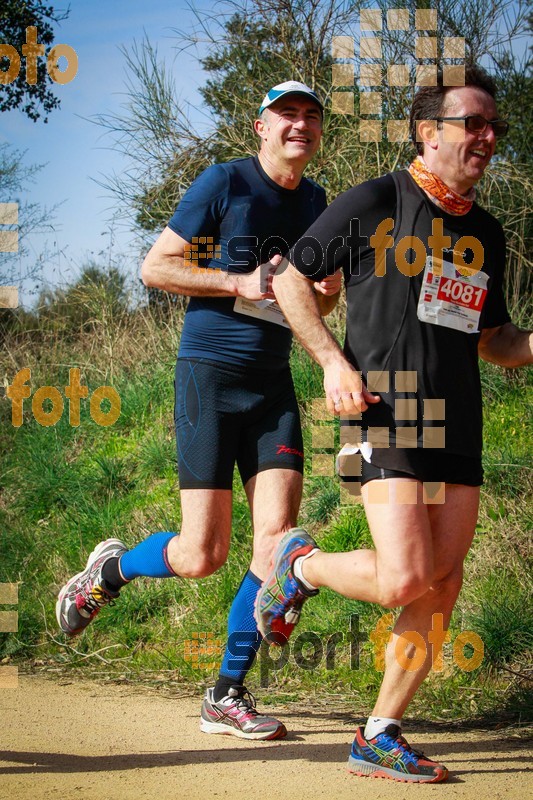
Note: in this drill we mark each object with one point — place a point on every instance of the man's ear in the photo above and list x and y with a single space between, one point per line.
260 127
426 132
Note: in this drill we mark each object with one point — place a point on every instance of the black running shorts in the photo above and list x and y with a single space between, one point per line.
431 466
226 415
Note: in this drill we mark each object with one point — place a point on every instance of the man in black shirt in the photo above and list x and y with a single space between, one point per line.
423 266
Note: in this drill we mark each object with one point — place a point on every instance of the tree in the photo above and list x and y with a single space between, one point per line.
15 17
251 46
246 46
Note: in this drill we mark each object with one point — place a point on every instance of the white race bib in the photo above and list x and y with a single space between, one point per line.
267 310
451 299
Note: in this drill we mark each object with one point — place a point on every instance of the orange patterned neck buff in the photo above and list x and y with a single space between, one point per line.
442 195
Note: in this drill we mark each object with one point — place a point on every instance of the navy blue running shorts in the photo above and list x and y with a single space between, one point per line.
226 415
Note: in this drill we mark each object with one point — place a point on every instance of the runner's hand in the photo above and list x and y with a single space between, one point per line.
257 285
330 285
345 390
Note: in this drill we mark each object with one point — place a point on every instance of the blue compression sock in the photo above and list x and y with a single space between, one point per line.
243 637
148 558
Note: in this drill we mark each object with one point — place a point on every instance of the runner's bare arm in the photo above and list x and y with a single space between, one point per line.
345 392
169 266
507 346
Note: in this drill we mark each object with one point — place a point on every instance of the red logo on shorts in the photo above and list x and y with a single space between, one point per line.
282 448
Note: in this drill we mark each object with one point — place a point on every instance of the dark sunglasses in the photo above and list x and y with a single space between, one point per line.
475 123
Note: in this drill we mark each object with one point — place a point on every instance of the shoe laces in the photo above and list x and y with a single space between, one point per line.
395 737
405 744
96 598
243 700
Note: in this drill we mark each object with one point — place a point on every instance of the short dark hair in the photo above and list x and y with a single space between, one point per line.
429 101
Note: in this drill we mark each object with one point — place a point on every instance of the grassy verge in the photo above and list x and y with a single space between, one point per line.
64 488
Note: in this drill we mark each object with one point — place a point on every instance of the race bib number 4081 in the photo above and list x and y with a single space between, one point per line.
462 294
451 299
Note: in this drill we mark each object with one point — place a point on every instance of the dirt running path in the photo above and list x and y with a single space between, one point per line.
85 740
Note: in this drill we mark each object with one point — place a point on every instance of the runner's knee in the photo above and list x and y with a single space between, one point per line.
199 564
449 584
404 590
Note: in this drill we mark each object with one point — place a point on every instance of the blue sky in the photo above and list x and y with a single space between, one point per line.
75 150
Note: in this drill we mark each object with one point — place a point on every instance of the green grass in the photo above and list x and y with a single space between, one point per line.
503 619
63 489
507 431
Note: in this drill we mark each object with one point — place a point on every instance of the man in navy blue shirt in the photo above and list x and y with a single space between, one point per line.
235 402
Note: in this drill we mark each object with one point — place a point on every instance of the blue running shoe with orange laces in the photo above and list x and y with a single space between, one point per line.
280 599
389 755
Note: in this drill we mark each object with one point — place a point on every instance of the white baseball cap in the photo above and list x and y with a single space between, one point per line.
289 87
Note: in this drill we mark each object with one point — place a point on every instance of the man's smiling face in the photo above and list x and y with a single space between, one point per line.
461 164
291 129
